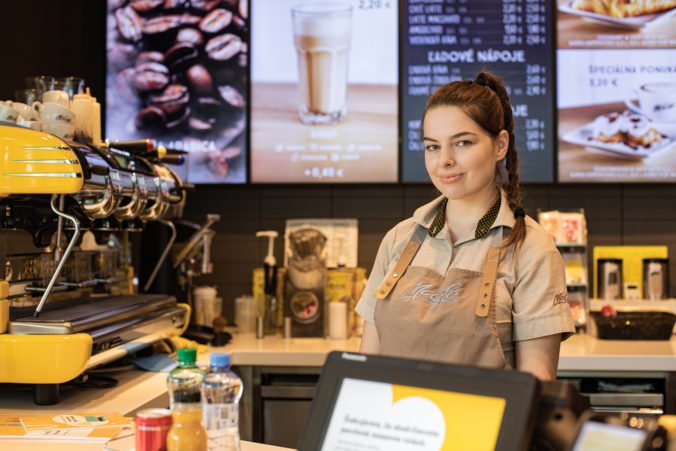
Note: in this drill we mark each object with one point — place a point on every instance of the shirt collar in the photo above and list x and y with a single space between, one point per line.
425 215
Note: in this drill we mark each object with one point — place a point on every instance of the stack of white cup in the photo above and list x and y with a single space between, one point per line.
54 114
68 118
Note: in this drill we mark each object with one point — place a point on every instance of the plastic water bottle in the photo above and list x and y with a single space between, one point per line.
184 381
221 392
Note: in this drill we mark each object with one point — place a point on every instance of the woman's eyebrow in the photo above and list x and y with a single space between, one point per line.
457 135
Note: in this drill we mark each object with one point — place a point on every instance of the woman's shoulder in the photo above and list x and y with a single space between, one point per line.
537 238
401 231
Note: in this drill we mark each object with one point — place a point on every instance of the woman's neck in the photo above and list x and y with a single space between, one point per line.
462 215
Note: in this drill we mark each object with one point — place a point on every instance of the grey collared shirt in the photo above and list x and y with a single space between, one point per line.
530 290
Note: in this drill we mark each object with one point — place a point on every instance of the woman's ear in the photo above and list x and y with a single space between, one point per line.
502 145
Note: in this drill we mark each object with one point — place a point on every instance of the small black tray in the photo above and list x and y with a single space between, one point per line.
635 325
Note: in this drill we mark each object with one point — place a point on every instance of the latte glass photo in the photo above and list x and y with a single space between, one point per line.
324 101
322 34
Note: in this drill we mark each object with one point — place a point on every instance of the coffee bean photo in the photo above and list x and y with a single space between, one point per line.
223 47
177 73
180 56
129 24
216 21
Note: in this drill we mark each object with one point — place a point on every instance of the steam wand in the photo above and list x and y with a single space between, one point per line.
64 257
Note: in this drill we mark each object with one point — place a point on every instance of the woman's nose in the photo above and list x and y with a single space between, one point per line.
447 158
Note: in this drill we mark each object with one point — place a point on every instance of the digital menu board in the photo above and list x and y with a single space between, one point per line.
617 91
324 91
450 40
177 73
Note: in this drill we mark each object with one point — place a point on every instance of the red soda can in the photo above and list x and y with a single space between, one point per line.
152 426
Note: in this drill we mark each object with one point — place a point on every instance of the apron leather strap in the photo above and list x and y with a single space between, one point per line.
400 268
483 303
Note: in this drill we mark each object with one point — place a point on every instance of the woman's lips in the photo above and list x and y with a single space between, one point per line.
450 178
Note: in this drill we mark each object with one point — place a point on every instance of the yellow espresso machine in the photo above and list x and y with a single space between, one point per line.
68 301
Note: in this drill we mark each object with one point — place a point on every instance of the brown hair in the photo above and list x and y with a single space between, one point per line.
486 102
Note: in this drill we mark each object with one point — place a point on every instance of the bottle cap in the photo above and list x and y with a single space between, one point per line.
187 355
220 359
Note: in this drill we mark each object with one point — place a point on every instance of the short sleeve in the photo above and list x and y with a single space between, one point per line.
367 303
540 299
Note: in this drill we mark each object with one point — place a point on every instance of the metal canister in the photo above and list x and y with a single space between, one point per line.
152 426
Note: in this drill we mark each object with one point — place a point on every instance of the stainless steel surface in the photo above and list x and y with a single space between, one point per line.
98 204
90 314
157 208
33 328
138 327
132 206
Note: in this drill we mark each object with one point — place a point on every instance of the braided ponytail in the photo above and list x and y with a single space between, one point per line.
511 185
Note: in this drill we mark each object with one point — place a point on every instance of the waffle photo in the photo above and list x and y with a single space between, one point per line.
617 116
586 24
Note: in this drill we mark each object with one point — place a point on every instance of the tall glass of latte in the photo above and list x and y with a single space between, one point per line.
322 34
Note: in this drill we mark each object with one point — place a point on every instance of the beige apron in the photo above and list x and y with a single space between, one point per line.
423 315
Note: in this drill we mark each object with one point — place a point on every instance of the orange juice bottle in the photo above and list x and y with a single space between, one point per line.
187 432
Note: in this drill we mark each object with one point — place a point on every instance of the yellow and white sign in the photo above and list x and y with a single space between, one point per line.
403 418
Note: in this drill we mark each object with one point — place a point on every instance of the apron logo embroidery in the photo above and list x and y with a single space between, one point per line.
425 292
560 298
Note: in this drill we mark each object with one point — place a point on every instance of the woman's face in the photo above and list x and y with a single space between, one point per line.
460 156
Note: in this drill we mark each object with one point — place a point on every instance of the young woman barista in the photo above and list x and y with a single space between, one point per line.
469 278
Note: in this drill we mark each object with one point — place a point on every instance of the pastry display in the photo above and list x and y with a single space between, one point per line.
624 8
625 128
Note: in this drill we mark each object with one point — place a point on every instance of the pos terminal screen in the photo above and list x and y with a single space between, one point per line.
399 417
389 404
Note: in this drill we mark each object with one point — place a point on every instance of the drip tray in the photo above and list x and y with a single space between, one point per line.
91 314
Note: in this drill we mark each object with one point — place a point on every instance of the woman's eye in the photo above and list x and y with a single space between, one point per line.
463 143
431 147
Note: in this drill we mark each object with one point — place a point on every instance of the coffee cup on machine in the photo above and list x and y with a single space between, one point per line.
53 112
8 114
26 112
62 130
56 96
